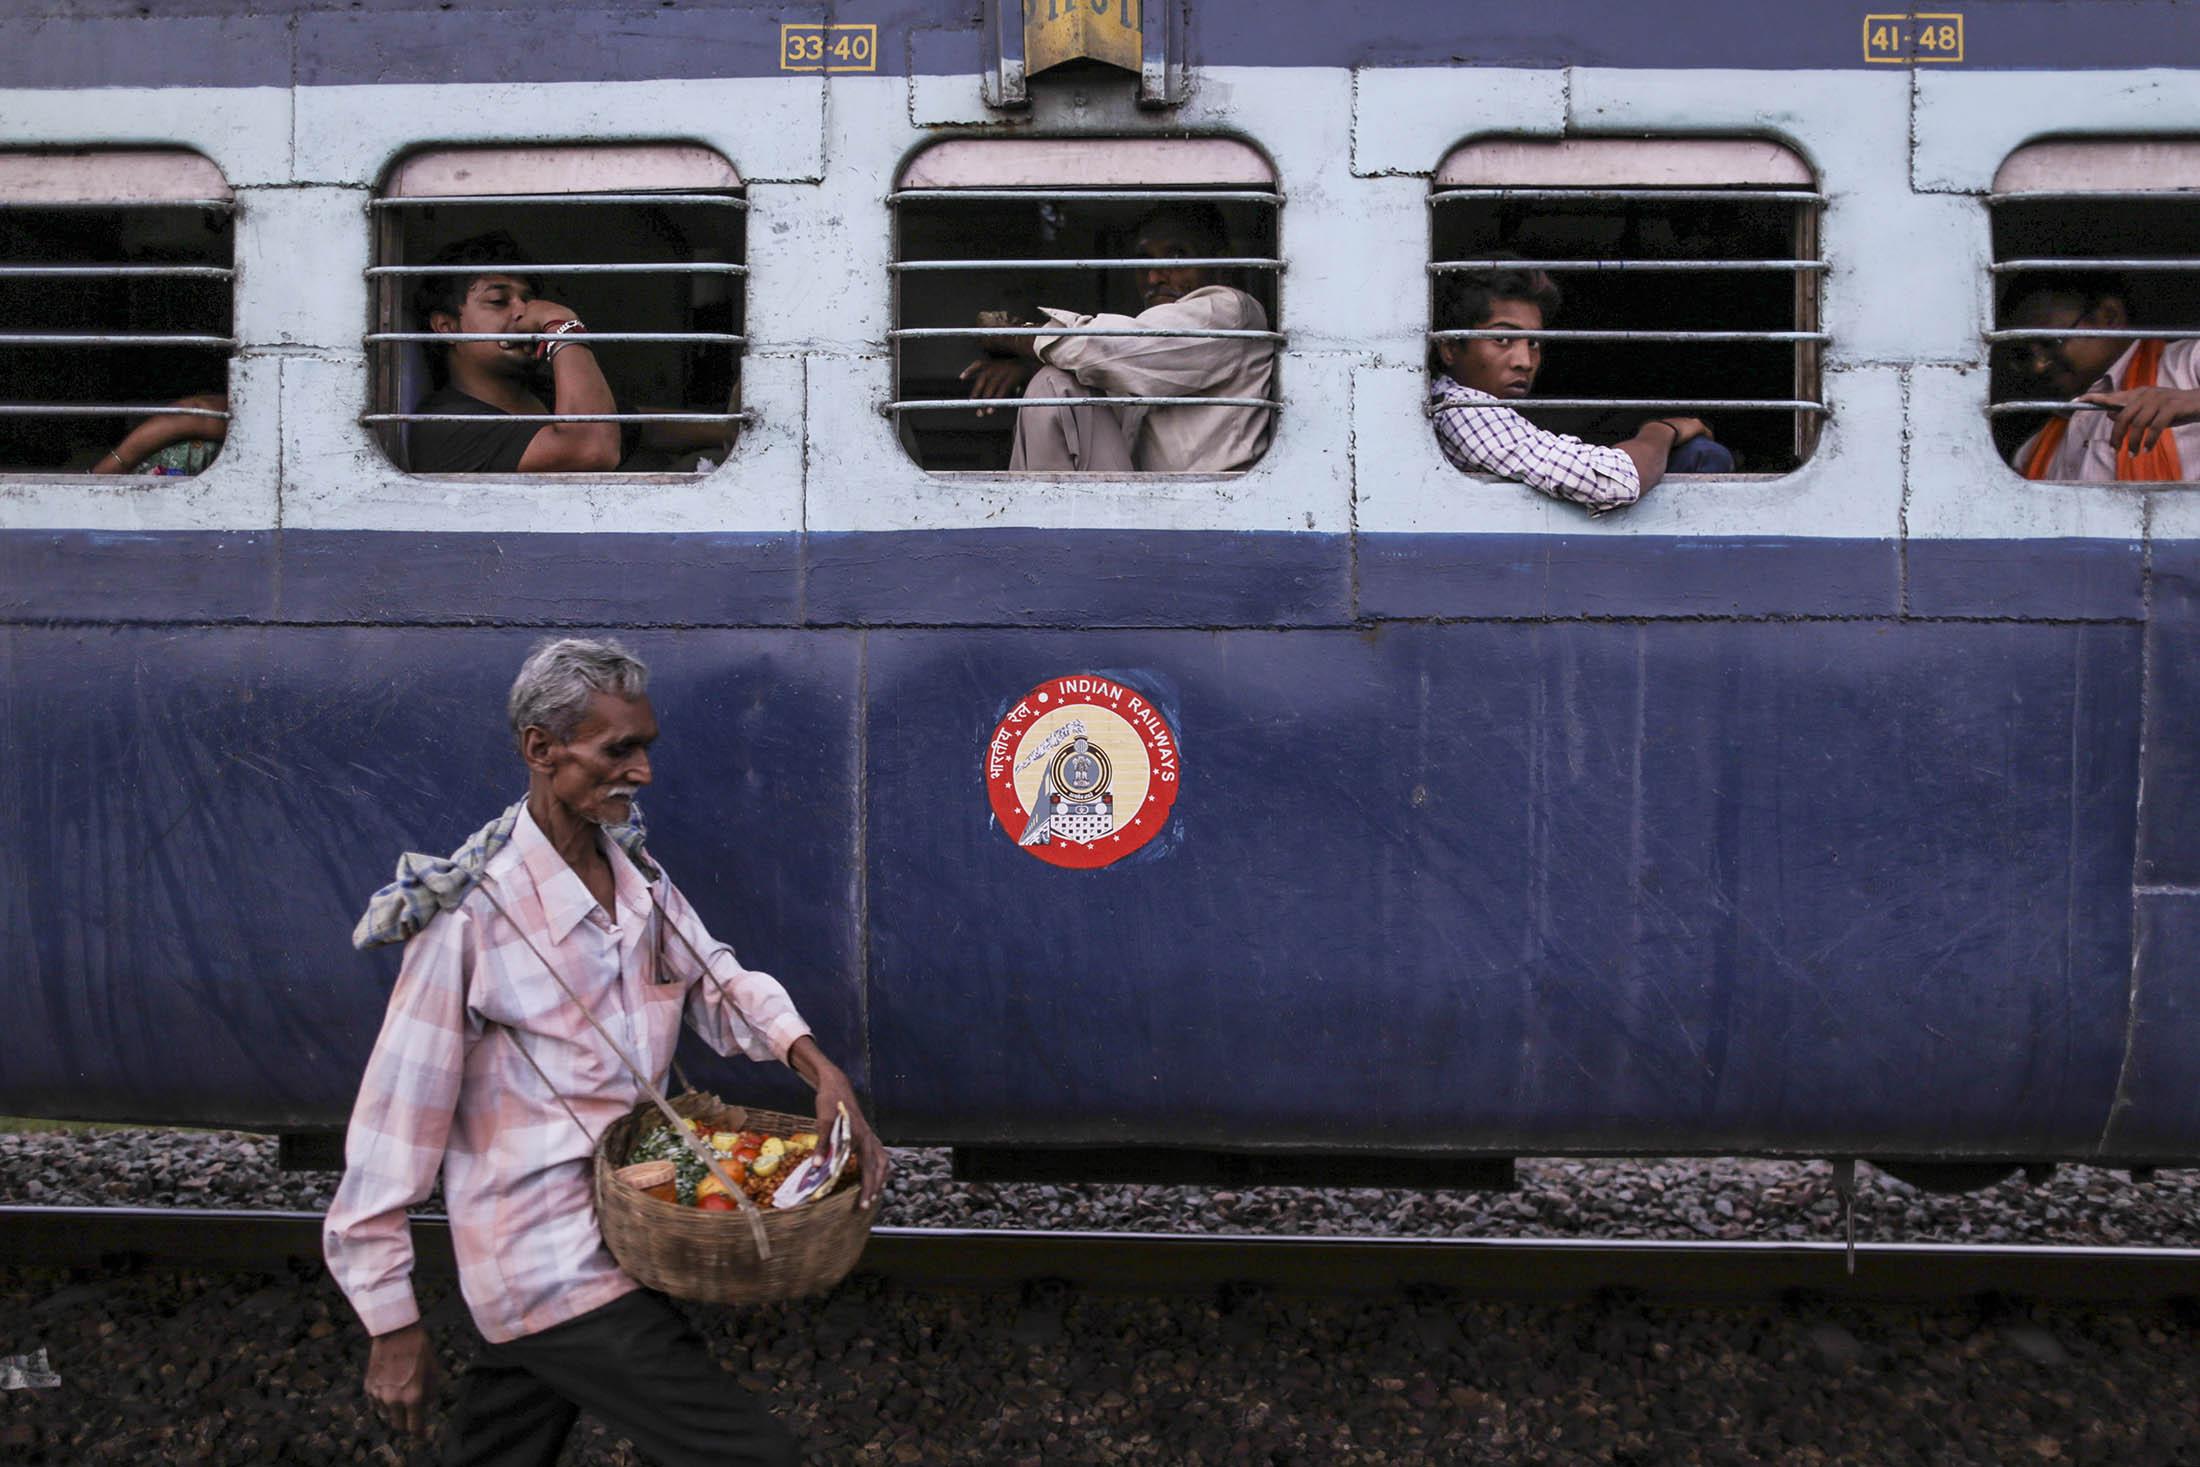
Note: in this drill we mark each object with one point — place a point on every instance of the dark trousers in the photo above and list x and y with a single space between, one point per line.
633 1364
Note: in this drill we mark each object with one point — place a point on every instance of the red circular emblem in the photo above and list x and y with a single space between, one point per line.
1082 771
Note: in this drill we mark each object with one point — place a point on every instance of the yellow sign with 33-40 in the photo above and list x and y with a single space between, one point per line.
828 47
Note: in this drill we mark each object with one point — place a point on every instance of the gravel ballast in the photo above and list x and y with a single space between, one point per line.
224 1368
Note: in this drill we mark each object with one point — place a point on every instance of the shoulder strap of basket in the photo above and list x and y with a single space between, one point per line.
680 1127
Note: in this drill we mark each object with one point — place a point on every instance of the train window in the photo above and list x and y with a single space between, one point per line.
115 311
2097 274
1027 270
1689 276
642 245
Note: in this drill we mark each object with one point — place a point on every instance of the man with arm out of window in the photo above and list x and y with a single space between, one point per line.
488 1072
1490 438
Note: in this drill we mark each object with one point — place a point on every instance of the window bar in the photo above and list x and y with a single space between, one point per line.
1667 195
971 331
1700 404
2116 333
2085 195
106 272
102 410
740 417
102 338
584 338
431 201
1090 195
1590 335
224 205
931 403
2011 267
690 267
2050 405
1453 267
1217 262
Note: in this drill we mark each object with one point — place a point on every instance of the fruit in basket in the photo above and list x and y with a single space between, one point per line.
716 1202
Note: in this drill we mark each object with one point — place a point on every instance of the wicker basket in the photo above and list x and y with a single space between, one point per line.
711 1256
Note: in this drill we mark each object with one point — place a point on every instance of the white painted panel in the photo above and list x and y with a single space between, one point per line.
300 252
1404 120
1969 122
1960 488
238 491
769 127
1850 488
570 169
336 477
243 131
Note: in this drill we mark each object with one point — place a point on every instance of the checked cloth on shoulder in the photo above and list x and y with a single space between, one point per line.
426 885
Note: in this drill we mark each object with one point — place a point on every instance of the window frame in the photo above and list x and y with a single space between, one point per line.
543 175
2078 170
1127 169
116 178
1499 168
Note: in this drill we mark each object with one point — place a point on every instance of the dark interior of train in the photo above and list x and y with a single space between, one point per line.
2097 229
979 228
84 373
646 376
1764 441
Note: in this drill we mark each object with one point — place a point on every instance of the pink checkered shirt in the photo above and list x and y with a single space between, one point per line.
1497 440
446 1088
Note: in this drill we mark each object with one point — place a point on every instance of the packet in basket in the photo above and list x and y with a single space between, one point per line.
820 1169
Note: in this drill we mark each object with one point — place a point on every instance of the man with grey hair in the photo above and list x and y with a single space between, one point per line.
526 952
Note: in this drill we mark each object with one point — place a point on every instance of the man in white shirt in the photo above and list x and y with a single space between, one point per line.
1090 435
2145 427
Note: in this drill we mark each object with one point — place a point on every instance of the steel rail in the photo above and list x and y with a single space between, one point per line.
1453 267
116 272
629 267
584 338
2066 195
2117 333
1087 195
920 332
558 417
430 201
2013 267
1703 404
1584 334
1677 195
102 410
108 338
1112 262
253 1241
2050 405
929 403
225 205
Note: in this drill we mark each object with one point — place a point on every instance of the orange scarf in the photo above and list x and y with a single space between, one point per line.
2159 464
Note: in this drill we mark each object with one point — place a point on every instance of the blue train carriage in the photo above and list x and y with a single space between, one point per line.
1337 811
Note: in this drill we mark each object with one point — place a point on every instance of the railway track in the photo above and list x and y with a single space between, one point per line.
1541 1268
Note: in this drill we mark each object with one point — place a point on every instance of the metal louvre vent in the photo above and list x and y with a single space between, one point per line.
987 234
646 244
1690 266
116 287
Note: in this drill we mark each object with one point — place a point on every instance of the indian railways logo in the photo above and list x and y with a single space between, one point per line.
1082 771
